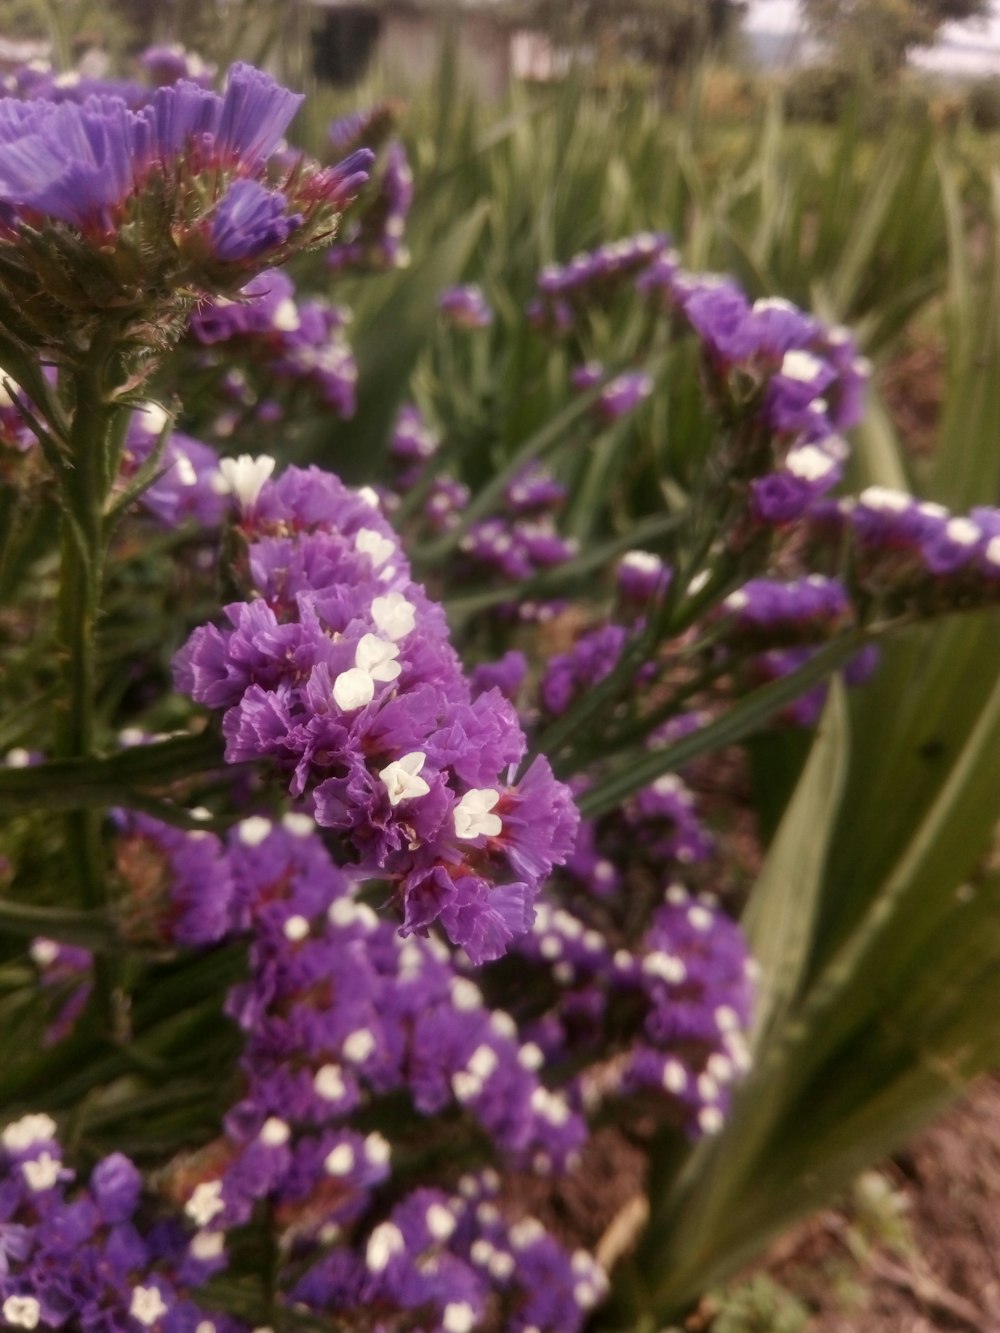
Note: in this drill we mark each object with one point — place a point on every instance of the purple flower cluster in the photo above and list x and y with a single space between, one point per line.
189 486
375 237
806 710
457 1261
465 307
569 675
282 341
411 444
340 1011
86 1258
182 179
772 611
64 972
566 291
686 987
177 887
620 395
904 545
340 672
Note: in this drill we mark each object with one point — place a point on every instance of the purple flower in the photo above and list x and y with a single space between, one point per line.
248 220
466 307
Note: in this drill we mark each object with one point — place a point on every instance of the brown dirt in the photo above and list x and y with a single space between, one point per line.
913 386
951 1280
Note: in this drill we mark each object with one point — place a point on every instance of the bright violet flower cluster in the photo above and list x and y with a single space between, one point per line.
340 672
690 980
340 1015
146 206
281 342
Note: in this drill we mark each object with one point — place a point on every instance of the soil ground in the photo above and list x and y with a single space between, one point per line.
950 1177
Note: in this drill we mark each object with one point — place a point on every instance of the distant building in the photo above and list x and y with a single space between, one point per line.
403 40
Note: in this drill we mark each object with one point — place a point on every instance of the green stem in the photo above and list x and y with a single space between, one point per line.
85 493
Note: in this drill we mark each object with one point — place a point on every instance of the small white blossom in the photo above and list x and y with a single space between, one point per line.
377 657
359 1046
353 689
377 1149
298 824
664 966
799 365
371 543
205 1203
458 1317
329 1083
384 1242
401 778
21 1134
472 815
44 952
286 316
963 531
674 1076
274 1132
483 1061
21 1312
245 477
394 616
43 1173
254 830
440 1221
710 1120
339 1161
147 1305
296 928
207 1245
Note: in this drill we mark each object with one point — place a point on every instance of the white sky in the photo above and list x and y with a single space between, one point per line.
972 47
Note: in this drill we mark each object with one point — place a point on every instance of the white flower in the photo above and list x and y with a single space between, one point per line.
44 952
373 544
472 815
440 1221
21 1311
254 830
799 365
286 316
359 1046
205 1203
329 1083
809 462
274 1132
377 657
296 928
402 780
963 531
21 1134
458 1317
207 1245
644 562
353 689
340 1160
42 1174
147 1305
393 615
246 476
385 1241
884 499
377 1149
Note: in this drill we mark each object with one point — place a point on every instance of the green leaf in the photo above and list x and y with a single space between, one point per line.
780 918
